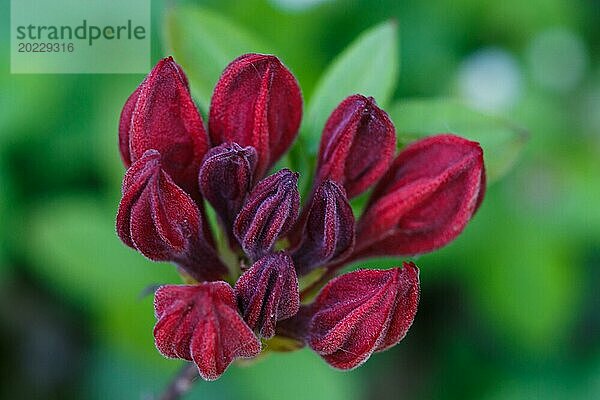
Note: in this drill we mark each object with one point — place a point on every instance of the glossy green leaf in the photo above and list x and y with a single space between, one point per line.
501 140
369 66
204 42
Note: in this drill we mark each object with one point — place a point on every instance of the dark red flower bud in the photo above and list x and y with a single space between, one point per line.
161 115
162 222
201 323
328 234
297 326
257 102
226 178
425 200
268 292
362 312
357 146
270 211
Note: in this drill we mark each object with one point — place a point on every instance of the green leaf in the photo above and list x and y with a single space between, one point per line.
501 140
369 66
204 42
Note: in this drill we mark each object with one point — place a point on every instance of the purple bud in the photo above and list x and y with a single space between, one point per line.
328 234
268 292
270 211
226 177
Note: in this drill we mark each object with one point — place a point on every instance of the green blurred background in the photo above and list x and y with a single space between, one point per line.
510 310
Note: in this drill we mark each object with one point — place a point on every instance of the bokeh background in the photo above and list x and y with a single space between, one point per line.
510 310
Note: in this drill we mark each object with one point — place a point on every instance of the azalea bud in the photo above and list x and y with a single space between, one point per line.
268 292
425 200
362 312
328 234
161 115
201 323
357 146
226 177
269 212
162 222
257 102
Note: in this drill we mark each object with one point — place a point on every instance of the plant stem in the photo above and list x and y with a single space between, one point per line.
181 383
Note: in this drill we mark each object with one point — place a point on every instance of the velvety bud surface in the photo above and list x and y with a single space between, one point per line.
268 292
161 115
257 102
162 222
226 178
201 323
269 212
296 327
125 126
357 146
328 234
362 312
425 200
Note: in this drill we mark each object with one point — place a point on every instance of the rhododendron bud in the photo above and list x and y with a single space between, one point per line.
425 200
357 146
257 102
328 233
226 177
268 292
161 115
269 212
362 312
162 222
201 323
